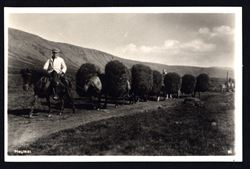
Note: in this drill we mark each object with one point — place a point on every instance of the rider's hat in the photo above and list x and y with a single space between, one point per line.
55 50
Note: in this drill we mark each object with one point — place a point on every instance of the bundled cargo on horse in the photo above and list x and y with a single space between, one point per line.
157 84
87 79
117 79
172 82
202 83
188 84
142 81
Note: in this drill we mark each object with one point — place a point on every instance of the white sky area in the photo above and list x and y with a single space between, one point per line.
197 39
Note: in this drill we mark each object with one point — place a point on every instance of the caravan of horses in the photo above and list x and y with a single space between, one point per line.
121 88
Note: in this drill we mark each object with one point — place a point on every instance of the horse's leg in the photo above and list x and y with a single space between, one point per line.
33 106
129 99
99 101
116 104
73 105
93 102
132 98
137 98
164 95
70 97
62 106
158 98
96 102
49 105
105 101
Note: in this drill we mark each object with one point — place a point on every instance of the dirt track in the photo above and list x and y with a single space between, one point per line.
22 130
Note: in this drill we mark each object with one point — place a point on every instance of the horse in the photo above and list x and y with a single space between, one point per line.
223 88
46 86
93 89
230 85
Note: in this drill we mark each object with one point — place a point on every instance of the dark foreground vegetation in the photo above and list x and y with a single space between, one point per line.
203 129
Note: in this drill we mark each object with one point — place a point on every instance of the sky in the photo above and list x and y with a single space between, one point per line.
193 39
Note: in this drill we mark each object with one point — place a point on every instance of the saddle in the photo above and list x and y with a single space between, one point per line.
58 85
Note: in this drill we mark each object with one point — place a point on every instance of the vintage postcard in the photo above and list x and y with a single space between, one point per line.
123 84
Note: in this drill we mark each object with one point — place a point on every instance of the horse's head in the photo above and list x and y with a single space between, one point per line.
94 83
27 78
55 79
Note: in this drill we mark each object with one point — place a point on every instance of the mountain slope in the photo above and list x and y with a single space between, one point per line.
28 50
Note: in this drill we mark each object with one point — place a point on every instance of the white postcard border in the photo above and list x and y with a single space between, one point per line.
238 78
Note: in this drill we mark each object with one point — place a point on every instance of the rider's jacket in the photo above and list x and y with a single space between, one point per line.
56 64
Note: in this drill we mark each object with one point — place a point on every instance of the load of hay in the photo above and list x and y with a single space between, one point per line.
117 78
84 73
172 82
188 84
202 82
157 83
142 80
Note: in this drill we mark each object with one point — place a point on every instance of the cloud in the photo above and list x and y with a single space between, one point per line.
198 45
171 44
170 51
208 47
204 30
216 31
129 48
146 49
125 35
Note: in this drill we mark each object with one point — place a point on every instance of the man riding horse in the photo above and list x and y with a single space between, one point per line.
56 66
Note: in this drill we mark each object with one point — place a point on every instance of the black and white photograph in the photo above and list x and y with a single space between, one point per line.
123 84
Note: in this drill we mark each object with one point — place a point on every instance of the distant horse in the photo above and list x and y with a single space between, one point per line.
45 86
92 88
223 88
230 85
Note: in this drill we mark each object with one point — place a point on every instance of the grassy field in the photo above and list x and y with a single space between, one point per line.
204 129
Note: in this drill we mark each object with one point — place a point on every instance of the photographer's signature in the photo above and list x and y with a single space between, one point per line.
23 152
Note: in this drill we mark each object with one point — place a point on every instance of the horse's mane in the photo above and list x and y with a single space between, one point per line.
36 74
